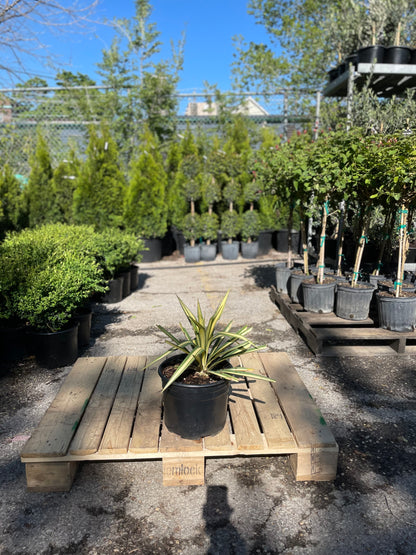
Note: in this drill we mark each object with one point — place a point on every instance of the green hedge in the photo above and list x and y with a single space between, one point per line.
50 271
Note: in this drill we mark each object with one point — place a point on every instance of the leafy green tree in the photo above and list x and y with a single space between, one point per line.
100 187
76 103
307 36
39 191
145 210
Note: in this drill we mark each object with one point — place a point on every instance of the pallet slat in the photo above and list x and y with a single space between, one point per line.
116 438
90 431
56 429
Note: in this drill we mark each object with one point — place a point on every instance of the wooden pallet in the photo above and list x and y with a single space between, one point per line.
329 335
109 409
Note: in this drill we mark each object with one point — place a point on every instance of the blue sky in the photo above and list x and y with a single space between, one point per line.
209 28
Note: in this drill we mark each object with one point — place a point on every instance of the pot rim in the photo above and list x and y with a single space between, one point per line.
218 382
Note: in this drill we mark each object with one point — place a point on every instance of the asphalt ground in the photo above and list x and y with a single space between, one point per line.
248 505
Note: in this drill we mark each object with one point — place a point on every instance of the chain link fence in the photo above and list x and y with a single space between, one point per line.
63 115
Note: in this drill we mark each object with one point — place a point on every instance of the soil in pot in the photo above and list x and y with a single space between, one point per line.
319 297
388 285
397 313
193 409
353 303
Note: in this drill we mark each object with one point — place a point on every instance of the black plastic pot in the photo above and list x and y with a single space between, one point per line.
283 274
353 303
296 291
265 242
396 313
13 343
192 254
83 319
134 277
374 279
55 349
208 252
318 297
282 238
125 291
249 250
154 252
371 54
115 292
397 55
333 73
194 411
229 251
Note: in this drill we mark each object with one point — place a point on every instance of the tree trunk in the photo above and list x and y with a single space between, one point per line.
289 237
321 260
340 238
359 254
403 245
304 240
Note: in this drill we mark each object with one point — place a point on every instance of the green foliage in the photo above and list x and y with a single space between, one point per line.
191 227
145 210
11 202
230 224
63 183
39 193
100 187
250 225
209 226
48 272
251 192
116 250
268 212
209 349
231 191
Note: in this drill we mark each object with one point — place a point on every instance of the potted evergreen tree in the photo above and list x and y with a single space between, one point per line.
191 226
145 208
211 193
230 222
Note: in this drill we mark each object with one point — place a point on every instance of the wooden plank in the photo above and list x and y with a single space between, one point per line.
52 476
302 414
116 438
57 427
318 464
183 471
172 443
331 319
222 440
350 333
145 436
357 350
272 419
244 421
90 431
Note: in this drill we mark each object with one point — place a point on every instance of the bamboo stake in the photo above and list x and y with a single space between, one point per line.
304 240
340 238
402 250
321 260
289 237
359 254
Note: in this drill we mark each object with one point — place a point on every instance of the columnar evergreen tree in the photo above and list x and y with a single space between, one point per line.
100 187
64 182
38 194
145 210
11 207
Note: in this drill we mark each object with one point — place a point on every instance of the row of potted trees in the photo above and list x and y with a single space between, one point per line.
50 275
343 173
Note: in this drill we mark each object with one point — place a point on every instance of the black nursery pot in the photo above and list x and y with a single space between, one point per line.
55 349
318 297
371 54
84 319
13 343
194 411
115 291
397 313
353 303
397 55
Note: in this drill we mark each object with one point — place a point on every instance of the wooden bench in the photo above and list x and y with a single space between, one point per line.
109 409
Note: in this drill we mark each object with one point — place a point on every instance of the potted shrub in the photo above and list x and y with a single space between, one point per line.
51 279
191 229
196 381
211 193
250 229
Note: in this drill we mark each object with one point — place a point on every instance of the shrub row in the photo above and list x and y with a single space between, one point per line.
51 271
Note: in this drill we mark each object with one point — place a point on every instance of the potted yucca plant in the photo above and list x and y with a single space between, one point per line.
197 373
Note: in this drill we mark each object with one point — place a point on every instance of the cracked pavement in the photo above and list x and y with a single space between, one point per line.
248 505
